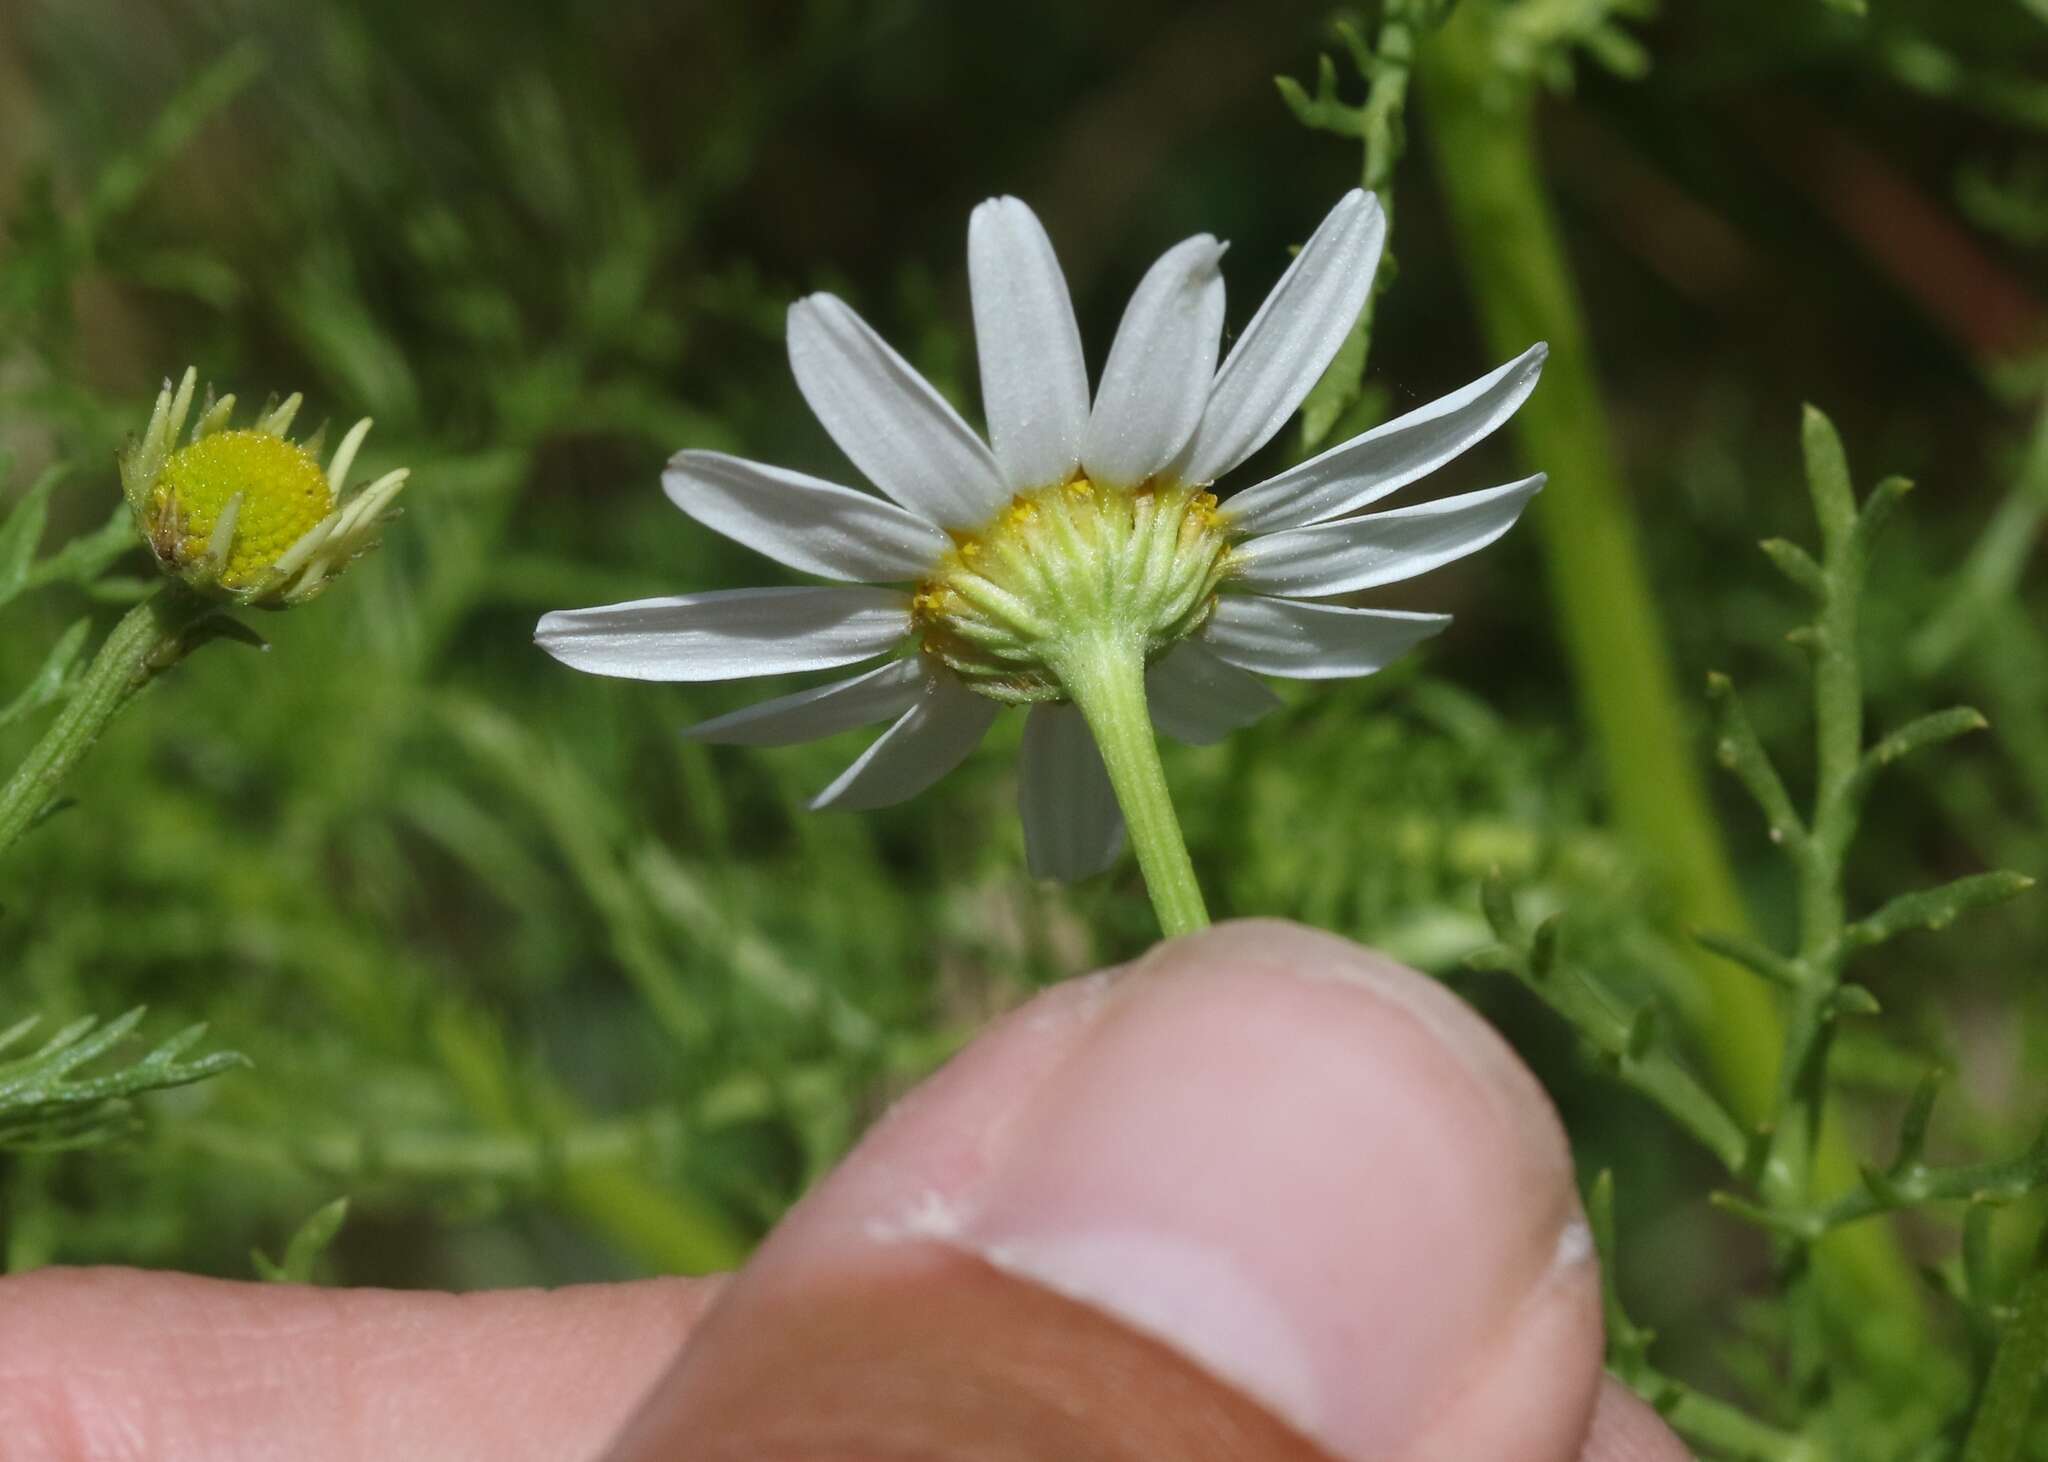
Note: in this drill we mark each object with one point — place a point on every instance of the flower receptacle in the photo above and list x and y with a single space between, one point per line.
1069 564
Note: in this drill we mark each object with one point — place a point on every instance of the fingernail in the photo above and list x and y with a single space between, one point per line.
1317 1175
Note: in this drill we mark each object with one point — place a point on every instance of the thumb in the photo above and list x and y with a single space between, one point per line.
1262 1194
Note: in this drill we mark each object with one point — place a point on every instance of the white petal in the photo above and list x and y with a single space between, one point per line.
727 634
1196 698
809 715
932 738
1380 548
1034 383
1072 827
1291 340
888 419
806 523
1157 379
1300 641
1390 456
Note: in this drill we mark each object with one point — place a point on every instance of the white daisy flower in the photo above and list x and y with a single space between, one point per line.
1076 562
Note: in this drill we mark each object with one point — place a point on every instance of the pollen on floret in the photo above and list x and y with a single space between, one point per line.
282 490
1066 563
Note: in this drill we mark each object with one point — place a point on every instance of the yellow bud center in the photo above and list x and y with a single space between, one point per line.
283 493
1065 565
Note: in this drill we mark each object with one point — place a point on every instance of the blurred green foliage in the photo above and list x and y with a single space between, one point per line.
549 993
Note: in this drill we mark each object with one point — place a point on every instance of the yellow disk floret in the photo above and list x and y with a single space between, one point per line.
283 495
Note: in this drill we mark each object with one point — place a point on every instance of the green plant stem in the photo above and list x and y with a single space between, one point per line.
1794 1165
1999 1181
666 1226
1482 130
1727 1430
1822 849
1387 66
1650 1067
137 647
1106 677
2010 1391
1392 65
596 1171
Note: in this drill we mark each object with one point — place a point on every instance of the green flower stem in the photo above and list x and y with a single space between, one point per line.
2009 1398
1483 134
145 640
1106 678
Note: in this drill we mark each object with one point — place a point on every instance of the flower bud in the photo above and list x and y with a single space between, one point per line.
247 514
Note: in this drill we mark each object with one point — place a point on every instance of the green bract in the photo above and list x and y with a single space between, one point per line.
1071 563
248 515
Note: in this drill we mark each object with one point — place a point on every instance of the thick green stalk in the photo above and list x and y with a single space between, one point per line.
1482 128
147 636
1106 677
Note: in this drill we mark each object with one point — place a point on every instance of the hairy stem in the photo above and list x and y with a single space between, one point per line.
137 647
1106 678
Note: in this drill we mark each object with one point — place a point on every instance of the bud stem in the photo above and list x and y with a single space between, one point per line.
1105 676
141 644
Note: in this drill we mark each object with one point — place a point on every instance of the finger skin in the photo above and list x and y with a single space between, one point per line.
117 1365
1325 1143
933 1354
1625 1429
1317 1176
84 1375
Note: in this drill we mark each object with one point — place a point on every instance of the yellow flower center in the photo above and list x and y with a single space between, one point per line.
1066 564
283 491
